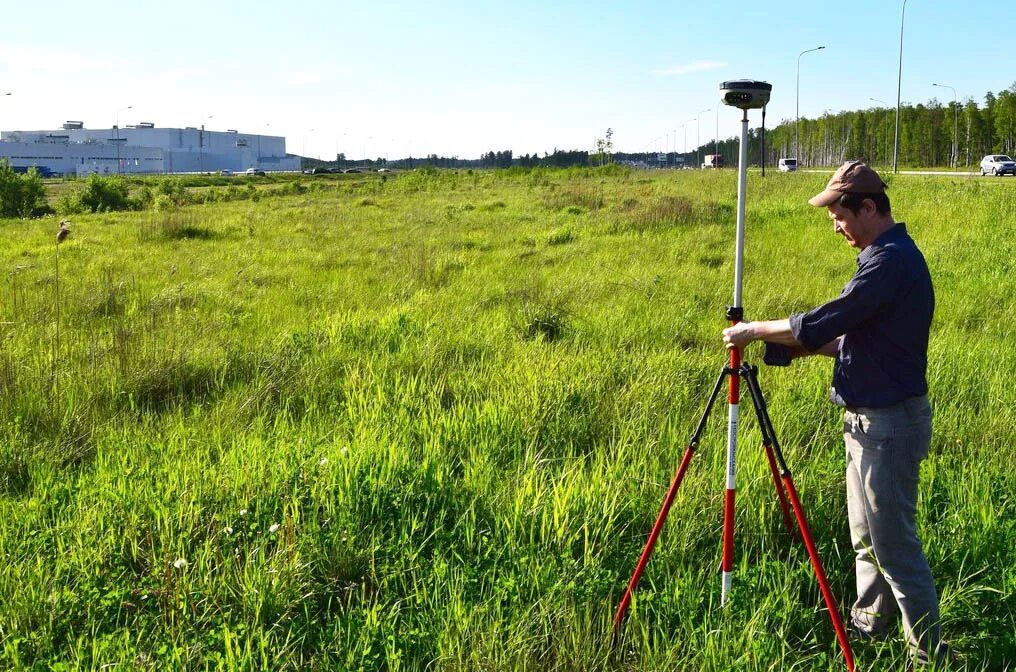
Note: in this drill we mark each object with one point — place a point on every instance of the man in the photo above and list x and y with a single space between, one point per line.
877 329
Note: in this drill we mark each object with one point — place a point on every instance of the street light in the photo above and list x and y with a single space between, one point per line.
716 139
698 141
955 158
266 127
885 125
116 128
5 94
899 83
797 122
303 145
201 144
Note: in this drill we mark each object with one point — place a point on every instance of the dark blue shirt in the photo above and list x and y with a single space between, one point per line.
884 315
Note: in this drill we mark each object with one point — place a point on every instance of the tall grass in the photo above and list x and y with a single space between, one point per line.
426 423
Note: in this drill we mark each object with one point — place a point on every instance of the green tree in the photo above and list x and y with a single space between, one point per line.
1005 121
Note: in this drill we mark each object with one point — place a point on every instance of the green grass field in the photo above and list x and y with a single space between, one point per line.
426 423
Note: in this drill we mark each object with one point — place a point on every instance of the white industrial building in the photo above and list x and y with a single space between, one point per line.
143 148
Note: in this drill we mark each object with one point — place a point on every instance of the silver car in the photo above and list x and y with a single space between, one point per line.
997 164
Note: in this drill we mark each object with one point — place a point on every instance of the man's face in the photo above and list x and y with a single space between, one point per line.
855 229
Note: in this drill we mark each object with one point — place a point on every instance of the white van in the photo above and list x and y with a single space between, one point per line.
788 165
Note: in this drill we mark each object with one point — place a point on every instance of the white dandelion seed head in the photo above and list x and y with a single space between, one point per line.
180 563
324 461
345 450
243 512
229 530
274 528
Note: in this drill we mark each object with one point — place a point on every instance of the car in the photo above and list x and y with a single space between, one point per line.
225 172
352 170
997 164
254 171
787 165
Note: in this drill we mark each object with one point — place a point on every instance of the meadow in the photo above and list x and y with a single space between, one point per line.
426 422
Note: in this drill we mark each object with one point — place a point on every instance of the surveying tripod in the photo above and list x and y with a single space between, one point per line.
745 95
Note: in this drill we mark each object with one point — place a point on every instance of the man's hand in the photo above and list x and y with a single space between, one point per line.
740 335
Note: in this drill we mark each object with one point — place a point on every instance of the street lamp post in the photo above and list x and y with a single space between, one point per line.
266 127
116 129
201 146
797 114
6 93
954 159
698 141
303 145
885 125
716 139
899 84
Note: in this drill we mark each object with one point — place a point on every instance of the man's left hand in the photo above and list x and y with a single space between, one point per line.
740 335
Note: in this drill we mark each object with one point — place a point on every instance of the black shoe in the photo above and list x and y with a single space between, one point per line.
860 635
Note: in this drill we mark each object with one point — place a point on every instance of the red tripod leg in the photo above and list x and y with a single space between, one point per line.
766 424
647 552
661 518
780 492
823 583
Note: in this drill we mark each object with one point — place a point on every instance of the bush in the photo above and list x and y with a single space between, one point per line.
101 194
21 195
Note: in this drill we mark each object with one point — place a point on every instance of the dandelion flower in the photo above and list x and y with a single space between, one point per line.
274 528
229 530
243 512
324 461
345 450
180 563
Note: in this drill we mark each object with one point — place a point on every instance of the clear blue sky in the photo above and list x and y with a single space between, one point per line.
460 78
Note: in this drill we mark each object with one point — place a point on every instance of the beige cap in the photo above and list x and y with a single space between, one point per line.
852 177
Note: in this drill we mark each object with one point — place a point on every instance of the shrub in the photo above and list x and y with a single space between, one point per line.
20 195
100 194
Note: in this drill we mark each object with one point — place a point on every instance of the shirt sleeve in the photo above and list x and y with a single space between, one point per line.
873 286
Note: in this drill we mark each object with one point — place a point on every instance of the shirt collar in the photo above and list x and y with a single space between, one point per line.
890 235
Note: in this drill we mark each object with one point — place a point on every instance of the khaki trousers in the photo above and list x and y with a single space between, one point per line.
885 447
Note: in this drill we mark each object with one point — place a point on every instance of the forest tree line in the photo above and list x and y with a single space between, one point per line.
932 134
926 135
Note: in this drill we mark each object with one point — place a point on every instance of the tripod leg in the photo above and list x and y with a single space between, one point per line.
767 442
781 493
661 518
749 374
816 563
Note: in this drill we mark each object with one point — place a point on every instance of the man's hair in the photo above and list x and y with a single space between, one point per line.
853 202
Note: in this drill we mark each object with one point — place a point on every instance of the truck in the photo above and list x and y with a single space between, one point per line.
712 161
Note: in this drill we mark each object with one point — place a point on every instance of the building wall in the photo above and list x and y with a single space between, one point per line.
83 158
181 150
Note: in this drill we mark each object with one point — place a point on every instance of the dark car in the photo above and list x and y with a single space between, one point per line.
352 170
